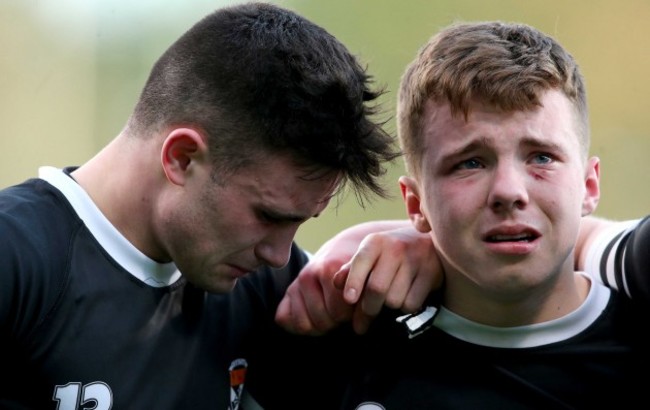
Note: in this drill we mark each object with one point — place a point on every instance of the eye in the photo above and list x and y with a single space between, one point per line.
268 217
471 163
542 158
274 218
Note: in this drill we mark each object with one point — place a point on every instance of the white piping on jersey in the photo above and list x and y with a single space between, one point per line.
128 256
596 253
537 334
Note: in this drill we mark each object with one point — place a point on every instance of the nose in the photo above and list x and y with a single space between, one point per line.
508 189
275 249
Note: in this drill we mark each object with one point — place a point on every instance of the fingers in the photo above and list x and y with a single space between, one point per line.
400 269
361 321
429 276
387 271
360 267
397 269
402 287
302 309
336 308
284 317
312 305
423 284
341 277
293 315
407 292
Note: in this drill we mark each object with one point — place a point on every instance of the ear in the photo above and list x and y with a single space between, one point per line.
592 186
181 150
411 196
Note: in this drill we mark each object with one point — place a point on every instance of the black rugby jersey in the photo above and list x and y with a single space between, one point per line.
595 357
88 321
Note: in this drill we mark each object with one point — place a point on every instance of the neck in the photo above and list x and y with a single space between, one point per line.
120 182
541 302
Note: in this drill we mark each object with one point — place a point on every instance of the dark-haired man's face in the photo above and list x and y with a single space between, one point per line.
216 233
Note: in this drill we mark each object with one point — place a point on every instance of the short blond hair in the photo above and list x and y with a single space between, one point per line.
506 65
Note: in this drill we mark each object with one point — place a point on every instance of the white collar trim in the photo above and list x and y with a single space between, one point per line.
533 335
116 245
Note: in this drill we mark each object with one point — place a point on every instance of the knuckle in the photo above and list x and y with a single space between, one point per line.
377 286
410 306
394 302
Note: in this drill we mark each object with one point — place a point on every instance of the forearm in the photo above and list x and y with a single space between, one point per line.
356 233
590 227
612 252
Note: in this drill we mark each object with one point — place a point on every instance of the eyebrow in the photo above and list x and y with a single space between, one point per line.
464 150
534 142
542 143
467 148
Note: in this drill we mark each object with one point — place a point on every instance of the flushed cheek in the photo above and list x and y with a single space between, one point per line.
558 203
455 204
452 224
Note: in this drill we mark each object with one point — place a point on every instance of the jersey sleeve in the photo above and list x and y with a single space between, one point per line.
35 231
620 258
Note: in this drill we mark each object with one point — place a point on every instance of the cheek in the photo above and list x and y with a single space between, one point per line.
215 217
439 216
228 223
446 203
562 199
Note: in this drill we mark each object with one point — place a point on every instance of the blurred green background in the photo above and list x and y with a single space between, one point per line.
71 70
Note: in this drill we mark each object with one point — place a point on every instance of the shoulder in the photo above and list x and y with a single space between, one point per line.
36 228
640 240
34 217
636 257
620 258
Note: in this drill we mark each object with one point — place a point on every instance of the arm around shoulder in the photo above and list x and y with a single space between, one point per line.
616 253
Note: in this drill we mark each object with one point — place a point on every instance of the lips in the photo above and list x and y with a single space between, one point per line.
511 234
511 238
241 271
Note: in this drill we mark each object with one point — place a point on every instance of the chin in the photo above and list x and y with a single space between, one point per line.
222 286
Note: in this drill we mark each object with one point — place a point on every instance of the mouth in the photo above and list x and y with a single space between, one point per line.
240 271
522 237
512 241
511 234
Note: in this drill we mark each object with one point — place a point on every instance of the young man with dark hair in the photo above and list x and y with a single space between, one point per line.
126 281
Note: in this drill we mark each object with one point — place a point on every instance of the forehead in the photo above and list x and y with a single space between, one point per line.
553 122
278 182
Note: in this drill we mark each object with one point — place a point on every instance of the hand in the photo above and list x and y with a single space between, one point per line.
311 304
396 268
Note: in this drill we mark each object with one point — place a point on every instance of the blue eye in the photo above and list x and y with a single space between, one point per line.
542 159
469 164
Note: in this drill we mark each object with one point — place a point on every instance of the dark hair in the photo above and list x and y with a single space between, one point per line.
506 65
261 79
